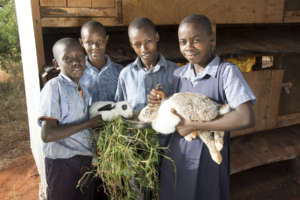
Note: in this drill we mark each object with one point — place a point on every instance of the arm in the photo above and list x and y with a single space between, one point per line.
52 131
240 118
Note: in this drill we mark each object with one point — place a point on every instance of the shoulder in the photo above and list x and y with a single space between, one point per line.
128 69
52 84
171 64
116 66
230 70
181 70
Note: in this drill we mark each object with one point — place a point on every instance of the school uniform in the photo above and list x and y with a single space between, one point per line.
101 84
67 159
197 175
135 82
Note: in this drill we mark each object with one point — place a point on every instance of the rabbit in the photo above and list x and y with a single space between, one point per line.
192 107
110 110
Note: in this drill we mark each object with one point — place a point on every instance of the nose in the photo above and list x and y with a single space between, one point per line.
144 48
96 45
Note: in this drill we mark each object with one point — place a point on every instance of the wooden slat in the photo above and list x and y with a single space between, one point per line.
76 22
264 148
53 3
222 12
292 16
79 3
288 120
38 35
103 3
78 12
266 85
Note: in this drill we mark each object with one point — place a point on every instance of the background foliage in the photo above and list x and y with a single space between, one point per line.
9 39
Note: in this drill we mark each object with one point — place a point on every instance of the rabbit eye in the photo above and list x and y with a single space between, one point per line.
124 107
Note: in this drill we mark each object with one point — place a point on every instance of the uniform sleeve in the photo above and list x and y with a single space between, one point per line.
121 90
236 88
49 103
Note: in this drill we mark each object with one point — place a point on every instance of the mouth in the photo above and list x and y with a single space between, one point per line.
191 55
147 56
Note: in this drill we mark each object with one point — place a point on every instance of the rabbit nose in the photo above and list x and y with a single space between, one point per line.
124 107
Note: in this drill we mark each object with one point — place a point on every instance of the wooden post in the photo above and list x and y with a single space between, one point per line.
30 42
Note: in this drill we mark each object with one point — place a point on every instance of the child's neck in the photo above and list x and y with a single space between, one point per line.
99 63
200 66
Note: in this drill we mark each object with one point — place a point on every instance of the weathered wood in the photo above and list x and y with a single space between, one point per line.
103 3
266 86
223 12
264 148
79 3
288 120
292 16
78 12
76 22
54 3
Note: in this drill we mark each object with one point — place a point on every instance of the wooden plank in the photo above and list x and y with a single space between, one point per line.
288 120
292 16
53 3
266 86
274 98
222 12
76 22
79 3
103 3
264 148
78 12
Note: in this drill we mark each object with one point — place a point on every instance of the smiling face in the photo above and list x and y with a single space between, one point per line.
71 60
94 41
196 45
144 42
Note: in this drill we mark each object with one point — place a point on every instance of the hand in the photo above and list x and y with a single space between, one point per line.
155 97
95 122
184 127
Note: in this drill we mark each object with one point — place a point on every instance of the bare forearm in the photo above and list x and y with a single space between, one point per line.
240 118
52 132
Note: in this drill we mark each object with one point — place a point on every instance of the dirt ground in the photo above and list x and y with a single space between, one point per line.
279 181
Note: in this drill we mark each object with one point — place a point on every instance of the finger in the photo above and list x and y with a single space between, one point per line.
175 113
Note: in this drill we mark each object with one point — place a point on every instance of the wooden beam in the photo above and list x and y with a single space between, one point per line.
78 12
54 3
77 22
288 120
264 148
79 3
103 3
27 20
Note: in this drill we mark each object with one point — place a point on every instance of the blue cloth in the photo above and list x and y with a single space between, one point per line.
60 99
135 82
101 84
197 175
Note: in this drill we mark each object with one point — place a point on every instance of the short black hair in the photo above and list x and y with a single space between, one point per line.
64 42
94 25
200 19
141 22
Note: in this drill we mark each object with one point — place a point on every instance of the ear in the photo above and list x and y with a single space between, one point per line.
54 62
156 37
107 107
213 42
80 41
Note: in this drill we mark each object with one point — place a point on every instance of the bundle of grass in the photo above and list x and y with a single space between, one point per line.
127 160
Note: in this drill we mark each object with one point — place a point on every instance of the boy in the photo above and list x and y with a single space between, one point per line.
101 74
64 120
197 176
149 69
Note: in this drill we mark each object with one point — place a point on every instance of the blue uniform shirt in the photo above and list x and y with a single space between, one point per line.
237 90
61 100
101 84
135 82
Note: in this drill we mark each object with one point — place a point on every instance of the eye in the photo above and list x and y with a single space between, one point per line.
182 42
124 107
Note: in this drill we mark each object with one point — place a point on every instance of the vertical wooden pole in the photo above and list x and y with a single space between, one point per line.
32 59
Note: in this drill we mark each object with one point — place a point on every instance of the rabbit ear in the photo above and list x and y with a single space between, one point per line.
106 107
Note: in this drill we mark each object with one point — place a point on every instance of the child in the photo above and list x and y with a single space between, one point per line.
101 74
149 69
64 120
197 176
